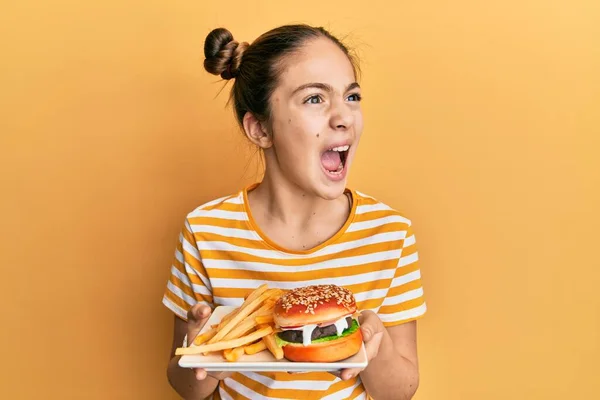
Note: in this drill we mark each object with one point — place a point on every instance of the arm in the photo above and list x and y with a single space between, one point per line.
184 380
394 372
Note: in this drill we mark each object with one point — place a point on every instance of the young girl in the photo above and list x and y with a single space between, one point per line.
297 98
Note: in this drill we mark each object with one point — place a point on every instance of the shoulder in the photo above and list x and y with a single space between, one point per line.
232 203
370 207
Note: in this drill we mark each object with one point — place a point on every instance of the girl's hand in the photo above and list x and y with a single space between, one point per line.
198 315
372 330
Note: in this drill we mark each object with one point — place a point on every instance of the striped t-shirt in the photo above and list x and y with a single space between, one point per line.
222 255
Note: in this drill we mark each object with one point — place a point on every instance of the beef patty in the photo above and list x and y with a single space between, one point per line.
296 336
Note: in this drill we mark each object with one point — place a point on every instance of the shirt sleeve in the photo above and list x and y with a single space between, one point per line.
404 301
188 282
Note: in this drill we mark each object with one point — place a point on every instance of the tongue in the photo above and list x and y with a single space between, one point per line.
331 160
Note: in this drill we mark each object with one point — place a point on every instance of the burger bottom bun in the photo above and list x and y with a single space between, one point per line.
330 351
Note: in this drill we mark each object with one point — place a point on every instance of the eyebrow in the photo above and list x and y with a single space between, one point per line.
323 86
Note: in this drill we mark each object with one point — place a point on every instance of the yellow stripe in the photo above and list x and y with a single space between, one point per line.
378 214
364 233
305 376
357 391
184 288
225 206
341 385
223 223
232 392
395 291
177 300
240 256
264 390
407 305
293 276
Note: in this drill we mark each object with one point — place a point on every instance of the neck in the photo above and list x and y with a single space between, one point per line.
287 203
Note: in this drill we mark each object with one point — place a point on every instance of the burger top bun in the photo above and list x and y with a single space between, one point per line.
313 305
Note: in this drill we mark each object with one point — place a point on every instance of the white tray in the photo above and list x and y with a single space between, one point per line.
264 360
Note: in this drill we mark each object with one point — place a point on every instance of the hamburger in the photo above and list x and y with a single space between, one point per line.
317 323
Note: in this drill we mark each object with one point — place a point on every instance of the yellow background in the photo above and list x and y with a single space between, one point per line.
482 125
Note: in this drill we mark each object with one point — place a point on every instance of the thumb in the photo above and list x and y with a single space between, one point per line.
366 333
198 314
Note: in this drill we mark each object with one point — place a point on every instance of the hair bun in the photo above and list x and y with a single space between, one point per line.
223 55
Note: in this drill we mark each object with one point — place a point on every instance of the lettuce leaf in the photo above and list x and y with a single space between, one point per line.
353 328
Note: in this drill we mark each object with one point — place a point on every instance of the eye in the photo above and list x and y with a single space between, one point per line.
355 97
315 99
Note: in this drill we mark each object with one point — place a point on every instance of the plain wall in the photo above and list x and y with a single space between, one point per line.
482 125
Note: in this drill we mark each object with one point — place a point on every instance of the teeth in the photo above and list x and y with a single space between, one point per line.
341 148
339 169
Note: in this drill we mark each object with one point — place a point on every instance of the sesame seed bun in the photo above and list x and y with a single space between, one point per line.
316 304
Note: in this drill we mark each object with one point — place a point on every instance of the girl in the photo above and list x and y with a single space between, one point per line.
297 98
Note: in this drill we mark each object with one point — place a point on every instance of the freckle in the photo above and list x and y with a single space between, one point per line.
289 121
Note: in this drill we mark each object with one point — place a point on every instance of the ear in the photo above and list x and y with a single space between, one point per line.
257 131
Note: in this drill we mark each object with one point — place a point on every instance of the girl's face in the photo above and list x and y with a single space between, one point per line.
316 120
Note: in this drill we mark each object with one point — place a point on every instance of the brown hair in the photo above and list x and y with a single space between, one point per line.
256 67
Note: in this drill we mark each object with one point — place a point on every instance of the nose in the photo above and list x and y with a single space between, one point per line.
341 116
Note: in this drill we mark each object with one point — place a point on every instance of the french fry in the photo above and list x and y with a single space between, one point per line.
234 354
247 299
264 319
227 318
255 347
204 337
246 309
271 344
226 344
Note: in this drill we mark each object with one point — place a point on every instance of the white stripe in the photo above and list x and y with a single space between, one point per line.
190 248
220 214
181 276
235 200
375 239
365 195
372 207
409 241
404 261
174 307
179 293
245 391
229 301
190 270
224 395
359 226
403 297
361 396
227 232
290 385
201 289
344 393
210 263
340 281
402 315
211 203
403 279
370 294
179 256
278 255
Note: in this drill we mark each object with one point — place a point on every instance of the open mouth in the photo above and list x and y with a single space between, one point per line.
334 159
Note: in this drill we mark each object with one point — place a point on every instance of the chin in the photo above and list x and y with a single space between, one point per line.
332 192
318 324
